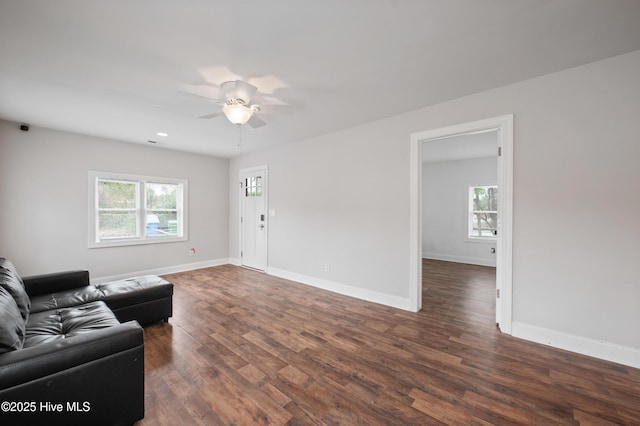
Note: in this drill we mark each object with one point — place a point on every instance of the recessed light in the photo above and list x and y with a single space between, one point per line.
163 134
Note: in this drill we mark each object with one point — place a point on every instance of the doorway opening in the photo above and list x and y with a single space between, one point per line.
502 129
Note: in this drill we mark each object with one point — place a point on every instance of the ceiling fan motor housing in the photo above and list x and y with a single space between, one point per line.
239 91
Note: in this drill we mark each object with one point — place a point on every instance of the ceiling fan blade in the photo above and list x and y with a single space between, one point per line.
276 109
256 121
211 115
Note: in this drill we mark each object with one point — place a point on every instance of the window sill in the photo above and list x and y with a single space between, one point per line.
488 240
135 242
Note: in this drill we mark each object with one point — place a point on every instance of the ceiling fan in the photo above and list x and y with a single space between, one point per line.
236 104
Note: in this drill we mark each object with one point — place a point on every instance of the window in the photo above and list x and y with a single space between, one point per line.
130 209
483 212
253 186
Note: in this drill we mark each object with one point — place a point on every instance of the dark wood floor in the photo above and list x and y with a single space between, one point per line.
245 348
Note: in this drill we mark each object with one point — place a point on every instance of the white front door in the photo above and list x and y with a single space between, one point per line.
253 218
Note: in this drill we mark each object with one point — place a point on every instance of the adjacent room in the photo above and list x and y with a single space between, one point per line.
381 212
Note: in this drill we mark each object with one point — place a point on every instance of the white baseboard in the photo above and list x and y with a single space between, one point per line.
460 259
235 261
164 270
599 349
346 290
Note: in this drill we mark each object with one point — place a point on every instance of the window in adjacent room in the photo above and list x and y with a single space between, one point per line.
131 209
483 212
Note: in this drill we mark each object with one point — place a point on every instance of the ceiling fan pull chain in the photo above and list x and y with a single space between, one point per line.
239 138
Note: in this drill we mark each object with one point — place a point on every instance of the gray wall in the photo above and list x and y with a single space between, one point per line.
344 198
43 194
445 189
335 204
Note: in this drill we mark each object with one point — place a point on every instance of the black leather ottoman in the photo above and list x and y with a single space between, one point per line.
146 299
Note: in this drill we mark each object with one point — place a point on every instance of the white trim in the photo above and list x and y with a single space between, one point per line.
346 290
504 258
596 348
415 223
164 270
486 240
504 279
459 259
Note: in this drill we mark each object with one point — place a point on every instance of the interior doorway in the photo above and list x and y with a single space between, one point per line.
459 211
503 128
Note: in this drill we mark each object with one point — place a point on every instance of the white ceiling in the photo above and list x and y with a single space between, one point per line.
114 68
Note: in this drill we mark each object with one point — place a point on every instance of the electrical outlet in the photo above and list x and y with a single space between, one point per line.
327 267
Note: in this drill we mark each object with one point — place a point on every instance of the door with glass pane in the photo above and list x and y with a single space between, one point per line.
253 220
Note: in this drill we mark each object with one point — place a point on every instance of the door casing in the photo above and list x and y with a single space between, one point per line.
504 274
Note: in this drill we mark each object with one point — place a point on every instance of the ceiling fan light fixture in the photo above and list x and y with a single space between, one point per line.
237 113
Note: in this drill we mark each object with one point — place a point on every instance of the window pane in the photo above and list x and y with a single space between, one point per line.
485 198
116 195
117 225
162 223
485 223
483 205
161 196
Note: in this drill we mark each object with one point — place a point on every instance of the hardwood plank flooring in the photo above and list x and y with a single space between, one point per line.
246 348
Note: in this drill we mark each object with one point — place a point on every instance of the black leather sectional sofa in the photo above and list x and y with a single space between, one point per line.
72 352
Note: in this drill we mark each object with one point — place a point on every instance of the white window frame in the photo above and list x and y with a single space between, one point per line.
141 210
470 211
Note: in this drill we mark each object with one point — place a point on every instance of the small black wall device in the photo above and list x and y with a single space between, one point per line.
24 127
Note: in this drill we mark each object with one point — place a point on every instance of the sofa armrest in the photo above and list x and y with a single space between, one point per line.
55 282
45 359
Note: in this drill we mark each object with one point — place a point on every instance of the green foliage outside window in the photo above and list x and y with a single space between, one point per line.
117 209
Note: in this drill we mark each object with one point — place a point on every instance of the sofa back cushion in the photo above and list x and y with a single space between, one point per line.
12 325
11 281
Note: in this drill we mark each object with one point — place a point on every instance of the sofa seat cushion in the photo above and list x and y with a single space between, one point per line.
136 290
11 281
65 299
57 324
